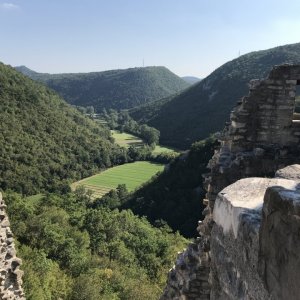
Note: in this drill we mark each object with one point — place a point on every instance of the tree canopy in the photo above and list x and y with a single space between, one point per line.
44 141
73 251
117 89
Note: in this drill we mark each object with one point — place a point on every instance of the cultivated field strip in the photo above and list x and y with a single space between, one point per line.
132 175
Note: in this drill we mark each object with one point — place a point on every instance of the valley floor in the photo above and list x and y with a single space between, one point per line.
133 175
126 140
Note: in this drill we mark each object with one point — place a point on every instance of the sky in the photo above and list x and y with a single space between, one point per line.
189 37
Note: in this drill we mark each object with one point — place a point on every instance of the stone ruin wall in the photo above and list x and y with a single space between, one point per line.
10 273
261 137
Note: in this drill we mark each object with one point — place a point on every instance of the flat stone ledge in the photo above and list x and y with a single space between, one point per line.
290 172
242 201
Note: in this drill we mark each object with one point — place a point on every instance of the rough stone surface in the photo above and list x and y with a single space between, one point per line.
280 244
261 137
235 239
10 273
244 198
289 172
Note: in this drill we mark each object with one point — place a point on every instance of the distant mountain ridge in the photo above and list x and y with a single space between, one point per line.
117 89
191 79
28 72
203 108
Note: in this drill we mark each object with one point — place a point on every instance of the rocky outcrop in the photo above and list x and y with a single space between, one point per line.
10 273
261 137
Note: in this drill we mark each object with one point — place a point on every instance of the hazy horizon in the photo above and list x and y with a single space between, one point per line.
191 38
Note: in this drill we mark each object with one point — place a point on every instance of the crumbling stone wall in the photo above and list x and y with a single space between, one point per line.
10 273
261 137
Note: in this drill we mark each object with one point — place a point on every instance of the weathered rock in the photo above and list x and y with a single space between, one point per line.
261 137
244 198
280 243
192 266
235 239
289 172
10 273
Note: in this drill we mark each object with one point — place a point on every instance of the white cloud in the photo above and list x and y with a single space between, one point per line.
9 6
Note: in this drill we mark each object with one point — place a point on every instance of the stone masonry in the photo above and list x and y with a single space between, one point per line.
10 273
254 240
261 137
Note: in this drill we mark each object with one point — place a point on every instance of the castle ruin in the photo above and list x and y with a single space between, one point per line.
237 254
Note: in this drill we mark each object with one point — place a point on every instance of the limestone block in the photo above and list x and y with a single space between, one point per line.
290 172
279 242
245 196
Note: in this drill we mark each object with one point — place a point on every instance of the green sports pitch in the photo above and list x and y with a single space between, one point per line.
133 175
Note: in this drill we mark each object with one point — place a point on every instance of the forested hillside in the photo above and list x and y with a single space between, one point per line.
204 108
71 247
117 89
72 251
44 142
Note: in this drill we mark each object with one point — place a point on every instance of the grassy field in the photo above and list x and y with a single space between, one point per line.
126 140
131 174
160 149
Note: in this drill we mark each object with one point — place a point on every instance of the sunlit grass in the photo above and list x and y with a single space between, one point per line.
132 175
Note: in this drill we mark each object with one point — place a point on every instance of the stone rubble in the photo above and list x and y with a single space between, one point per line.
10 273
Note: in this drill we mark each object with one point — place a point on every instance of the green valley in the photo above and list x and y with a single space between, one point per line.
72 247
147 152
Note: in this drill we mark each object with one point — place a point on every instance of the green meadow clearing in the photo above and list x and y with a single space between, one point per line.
126 140
131 174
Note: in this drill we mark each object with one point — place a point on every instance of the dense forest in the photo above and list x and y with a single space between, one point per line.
204 108
117 89
73 251
44 141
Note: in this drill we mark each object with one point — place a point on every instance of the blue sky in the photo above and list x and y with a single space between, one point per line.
190 37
